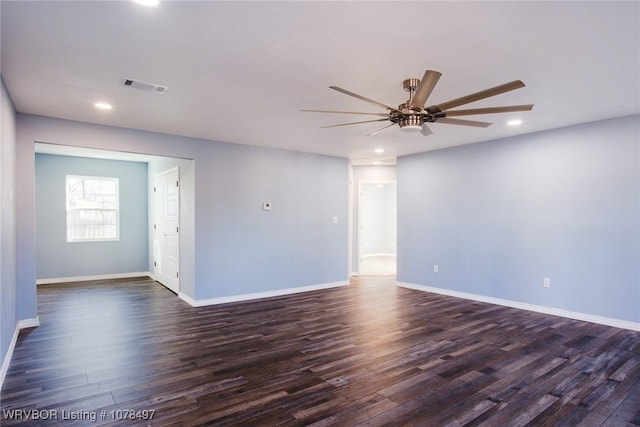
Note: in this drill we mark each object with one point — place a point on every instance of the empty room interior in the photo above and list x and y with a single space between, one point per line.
320 213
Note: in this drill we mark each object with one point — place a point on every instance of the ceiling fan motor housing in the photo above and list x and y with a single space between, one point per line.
410 84
408 118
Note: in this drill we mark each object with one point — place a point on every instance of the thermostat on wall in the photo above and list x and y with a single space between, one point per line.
266 206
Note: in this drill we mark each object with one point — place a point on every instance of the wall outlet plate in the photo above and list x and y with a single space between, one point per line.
546 282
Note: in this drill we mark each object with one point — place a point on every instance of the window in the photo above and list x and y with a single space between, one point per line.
92 208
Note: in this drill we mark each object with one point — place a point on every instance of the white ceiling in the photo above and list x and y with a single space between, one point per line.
240 72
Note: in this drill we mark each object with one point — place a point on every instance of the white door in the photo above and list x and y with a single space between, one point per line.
166 231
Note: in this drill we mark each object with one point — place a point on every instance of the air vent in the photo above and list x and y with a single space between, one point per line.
145 86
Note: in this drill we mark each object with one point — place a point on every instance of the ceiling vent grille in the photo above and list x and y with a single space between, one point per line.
145 86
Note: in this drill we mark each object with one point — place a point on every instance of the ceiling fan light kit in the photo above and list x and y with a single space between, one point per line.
409 123
413 116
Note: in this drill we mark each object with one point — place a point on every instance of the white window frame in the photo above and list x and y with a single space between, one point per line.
70 209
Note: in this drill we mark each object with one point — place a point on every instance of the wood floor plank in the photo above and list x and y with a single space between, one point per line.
369 354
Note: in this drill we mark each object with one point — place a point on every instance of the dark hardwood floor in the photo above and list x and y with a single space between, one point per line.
131 353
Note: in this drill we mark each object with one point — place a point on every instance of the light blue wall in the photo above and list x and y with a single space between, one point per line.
499 216
237 247
57 258
294 244
8 283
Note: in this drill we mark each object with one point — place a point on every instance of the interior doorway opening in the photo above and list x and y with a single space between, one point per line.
104 260
377 228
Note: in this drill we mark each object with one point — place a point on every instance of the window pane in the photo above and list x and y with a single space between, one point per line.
91 224
92 208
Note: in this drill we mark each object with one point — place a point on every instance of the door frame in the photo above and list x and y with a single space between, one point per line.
175 169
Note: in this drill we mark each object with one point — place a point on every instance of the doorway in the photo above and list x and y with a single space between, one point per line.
166 229
377 228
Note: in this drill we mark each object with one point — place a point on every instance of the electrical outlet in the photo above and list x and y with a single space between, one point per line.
435 268
546 282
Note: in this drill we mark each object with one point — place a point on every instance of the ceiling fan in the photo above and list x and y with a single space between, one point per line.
414 116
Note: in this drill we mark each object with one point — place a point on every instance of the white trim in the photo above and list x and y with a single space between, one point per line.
173 170
187 299
91 278
350 217
379 254
260 295
618 323
22 324
9 355
116 209
29 323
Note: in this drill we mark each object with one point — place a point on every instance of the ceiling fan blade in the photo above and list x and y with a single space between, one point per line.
362 98
489 110
380 130
463 122
425 88
516 84
355 123
425 130
345 112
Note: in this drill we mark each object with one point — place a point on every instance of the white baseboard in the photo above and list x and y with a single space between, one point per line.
186 298
618 323
92 278
29 323
385 254
22 324
260 295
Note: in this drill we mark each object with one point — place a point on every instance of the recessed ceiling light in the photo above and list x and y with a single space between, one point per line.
379 150
514 122
148 3
103 106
